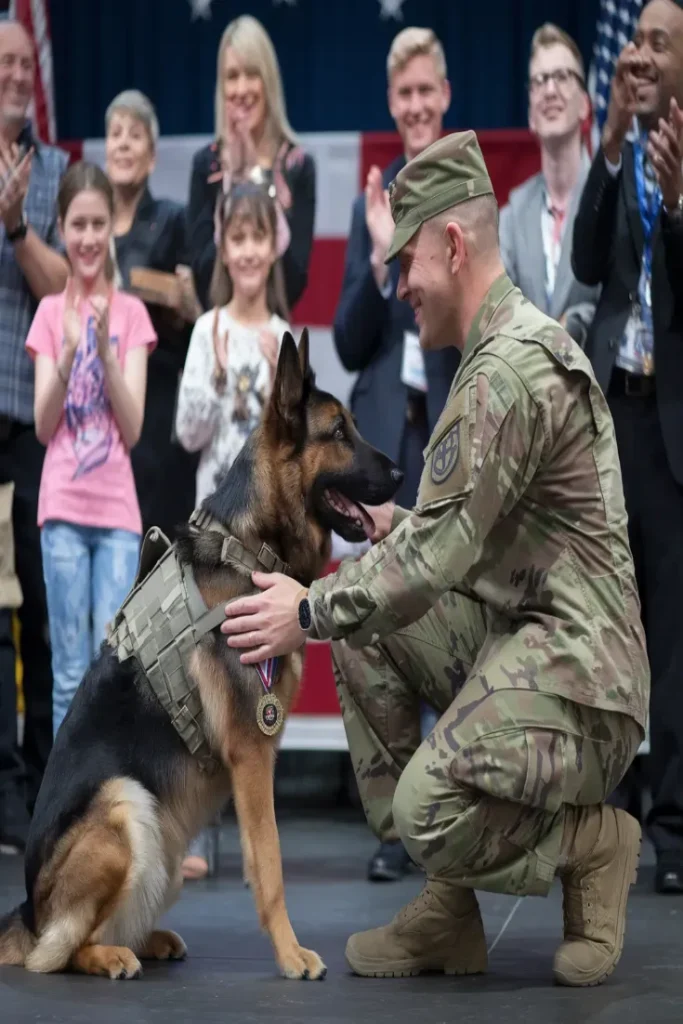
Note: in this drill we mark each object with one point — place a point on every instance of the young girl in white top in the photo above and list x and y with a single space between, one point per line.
233 352
232 358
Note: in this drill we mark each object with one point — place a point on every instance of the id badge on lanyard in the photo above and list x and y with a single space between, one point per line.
649 205
413 373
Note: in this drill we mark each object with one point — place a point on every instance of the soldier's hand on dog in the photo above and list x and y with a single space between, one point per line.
382 516
266 623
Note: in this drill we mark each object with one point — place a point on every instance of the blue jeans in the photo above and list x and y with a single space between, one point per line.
88 572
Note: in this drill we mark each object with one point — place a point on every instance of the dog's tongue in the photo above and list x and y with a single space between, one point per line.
356 512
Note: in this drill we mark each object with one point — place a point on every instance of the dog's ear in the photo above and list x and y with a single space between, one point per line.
304 359
285 408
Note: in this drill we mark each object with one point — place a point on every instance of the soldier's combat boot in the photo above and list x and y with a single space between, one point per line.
440 930
599 862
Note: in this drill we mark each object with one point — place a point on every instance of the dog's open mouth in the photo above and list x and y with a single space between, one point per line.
356 514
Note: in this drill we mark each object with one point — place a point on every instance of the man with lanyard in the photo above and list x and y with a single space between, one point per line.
628 237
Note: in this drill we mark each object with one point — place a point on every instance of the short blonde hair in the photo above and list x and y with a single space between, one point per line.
415 42
552 35
250 41
135 103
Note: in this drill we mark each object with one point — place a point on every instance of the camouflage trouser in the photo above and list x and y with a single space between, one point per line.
481 799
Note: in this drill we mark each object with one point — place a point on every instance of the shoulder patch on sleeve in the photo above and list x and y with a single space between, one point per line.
445 455
462 437
446 474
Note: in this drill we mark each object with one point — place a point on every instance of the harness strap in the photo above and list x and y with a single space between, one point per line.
253 558
203 619
156 626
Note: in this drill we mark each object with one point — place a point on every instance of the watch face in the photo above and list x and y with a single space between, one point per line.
305 614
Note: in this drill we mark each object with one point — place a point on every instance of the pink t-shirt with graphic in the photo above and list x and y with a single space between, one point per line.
87 473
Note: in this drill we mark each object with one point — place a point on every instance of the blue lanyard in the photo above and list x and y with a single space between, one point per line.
649 205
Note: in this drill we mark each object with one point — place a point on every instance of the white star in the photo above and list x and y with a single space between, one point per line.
392 9
201 9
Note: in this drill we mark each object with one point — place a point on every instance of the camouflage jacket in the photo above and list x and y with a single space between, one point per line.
520 507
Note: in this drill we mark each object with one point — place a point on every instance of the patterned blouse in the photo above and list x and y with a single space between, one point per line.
217 421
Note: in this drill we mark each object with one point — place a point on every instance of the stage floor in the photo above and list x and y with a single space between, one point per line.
230 974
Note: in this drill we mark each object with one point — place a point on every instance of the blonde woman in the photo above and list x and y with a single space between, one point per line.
254 141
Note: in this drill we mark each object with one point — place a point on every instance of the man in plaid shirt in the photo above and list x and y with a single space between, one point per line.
30 267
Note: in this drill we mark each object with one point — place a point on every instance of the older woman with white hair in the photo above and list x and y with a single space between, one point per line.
150 235
254 141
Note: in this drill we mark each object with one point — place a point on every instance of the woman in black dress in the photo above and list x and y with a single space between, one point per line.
150 233
254 140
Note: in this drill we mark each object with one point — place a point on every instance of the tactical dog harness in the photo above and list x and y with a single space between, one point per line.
163 619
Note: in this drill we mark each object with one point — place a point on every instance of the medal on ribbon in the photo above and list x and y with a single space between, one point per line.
269 712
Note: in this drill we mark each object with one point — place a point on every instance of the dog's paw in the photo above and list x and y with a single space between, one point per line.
124 966
115 962
303 964
164 946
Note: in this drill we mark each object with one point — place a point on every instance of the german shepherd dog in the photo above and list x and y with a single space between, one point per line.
122 795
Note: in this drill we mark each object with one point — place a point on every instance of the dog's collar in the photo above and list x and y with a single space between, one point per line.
260 556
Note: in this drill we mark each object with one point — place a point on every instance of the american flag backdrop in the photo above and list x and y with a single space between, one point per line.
617 20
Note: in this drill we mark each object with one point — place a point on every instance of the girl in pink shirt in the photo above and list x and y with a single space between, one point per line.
90 346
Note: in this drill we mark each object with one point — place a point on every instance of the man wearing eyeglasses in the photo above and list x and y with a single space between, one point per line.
536 225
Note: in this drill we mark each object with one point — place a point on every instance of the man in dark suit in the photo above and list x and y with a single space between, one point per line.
628 237
400 391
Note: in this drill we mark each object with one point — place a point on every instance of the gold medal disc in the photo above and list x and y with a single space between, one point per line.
269 714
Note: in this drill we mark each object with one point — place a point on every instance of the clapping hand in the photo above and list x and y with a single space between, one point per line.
378 217
72 321
270 348
220 353
238 152
188 309
665 150
15 172
622 101
100 308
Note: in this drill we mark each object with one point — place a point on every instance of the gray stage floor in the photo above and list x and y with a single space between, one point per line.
230 974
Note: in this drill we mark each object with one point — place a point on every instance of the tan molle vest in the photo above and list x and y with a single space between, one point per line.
163 619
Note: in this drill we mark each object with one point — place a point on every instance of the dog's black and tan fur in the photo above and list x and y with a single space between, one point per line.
122 796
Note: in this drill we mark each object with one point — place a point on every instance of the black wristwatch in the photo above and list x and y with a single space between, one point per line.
19 233
304 614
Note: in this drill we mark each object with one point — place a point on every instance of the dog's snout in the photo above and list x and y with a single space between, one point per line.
397 475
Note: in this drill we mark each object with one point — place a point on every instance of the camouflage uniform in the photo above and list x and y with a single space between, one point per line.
507 599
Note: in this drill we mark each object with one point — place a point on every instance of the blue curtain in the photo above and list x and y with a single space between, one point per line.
332 54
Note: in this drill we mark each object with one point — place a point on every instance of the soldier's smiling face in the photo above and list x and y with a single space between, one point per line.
426 282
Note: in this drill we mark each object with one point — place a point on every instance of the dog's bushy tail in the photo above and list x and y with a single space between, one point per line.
16 941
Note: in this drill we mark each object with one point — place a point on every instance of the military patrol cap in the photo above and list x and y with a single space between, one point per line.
450 171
